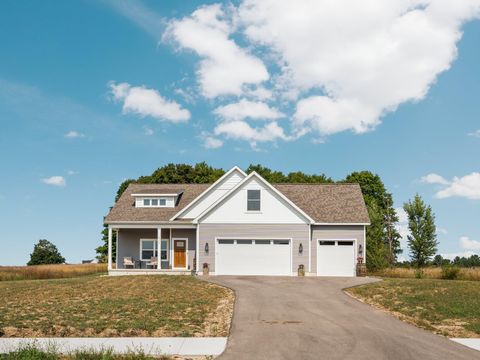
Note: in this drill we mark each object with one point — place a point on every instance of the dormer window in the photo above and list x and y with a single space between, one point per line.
154 199
154 202
253 200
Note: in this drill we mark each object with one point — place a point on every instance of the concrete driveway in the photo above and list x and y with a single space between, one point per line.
311 318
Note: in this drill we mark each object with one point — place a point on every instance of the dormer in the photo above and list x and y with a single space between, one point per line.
155 199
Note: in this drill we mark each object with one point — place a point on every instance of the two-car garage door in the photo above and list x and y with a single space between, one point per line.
253 257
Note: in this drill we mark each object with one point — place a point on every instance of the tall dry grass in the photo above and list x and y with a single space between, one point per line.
428 273
49 271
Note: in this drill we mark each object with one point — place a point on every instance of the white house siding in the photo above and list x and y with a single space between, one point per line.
297 232
273 209
333 232
189 234
221 189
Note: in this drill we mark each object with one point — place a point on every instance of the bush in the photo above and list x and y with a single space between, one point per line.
450 272
419 273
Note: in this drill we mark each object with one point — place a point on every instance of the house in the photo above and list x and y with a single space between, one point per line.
239 225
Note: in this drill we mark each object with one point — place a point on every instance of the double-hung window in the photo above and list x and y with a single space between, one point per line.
253 200
149 248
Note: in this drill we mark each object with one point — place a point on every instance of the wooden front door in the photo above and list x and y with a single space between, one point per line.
180 253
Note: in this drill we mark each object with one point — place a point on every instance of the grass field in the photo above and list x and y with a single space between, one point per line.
8 273
450 308
429 273
115 306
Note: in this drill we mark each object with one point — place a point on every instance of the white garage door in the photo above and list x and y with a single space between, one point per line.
336 258
253 257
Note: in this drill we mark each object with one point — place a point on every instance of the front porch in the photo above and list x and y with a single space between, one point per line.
152 249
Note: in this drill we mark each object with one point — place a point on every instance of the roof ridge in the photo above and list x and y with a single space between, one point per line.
323 184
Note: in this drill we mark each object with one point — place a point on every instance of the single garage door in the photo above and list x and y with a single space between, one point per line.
253 257
336 258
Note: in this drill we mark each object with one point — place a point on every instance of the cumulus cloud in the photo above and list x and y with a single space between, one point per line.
364 62
72 134
475 133
225 68
452 256
247 109
212 143
241 130
148 131
468 244
467 186
55 181
434 179
147 102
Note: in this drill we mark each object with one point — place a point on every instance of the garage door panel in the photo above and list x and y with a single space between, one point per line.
336 258
247 257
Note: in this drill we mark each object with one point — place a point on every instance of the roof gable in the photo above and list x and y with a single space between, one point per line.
215 191
275 207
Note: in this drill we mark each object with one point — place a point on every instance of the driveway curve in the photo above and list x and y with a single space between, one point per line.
311 318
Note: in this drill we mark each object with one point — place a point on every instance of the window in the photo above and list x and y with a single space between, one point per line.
148 248
163 202
225 241
328 243
345 243
146 202
154 202
262 242
244 242
253 200
281 242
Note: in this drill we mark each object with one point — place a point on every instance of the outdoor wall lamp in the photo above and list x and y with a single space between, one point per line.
360 250
300 248
206 248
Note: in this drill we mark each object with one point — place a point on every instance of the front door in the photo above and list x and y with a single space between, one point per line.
180 253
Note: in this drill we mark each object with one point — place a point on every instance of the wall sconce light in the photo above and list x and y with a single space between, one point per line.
360 250
206 248
300 248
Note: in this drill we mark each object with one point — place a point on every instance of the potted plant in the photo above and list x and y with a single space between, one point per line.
301 270
206 270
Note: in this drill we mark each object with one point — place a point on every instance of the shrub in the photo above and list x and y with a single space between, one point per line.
450 272
419 273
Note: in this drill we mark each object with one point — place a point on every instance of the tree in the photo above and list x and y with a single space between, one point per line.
422 240
44 252
383 239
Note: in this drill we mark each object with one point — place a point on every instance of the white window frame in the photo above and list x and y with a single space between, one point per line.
159 202
166 241
141 248
255 200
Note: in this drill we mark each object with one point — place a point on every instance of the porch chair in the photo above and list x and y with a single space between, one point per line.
153 262
128 261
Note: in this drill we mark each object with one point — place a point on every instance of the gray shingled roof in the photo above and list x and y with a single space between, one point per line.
324 203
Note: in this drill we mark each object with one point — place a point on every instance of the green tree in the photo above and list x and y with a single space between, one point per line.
267 174
383 239
44 252
422 240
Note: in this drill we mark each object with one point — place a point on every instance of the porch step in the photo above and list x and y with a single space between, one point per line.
122 272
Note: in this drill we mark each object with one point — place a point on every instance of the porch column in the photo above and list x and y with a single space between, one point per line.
109 248
159 247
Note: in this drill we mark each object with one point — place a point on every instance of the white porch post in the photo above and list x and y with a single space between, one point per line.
109 248
159 247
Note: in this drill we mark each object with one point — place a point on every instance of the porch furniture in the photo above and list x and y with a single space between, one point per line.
153 262
128 261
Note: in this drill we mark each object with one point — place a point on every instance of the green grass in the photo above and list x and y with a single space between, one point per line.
114 306
32 352
450 308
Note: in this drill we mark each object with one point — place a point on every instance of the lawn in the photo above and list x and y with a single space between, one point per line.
446 307
114 306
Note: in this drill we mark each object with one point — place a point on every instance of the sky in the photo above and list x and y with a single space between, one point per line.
95 92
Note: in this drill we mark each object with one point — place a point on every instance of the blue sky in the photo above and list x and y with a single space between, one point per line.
92 93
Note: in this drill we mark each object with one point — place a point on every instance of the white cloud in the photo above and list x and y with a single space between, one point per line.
475 133
148 102
72 172
241 130
402 228
225 68
467 186
148 131
212 143
363 62
247 109
55 181
434 179
468 244
72 134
